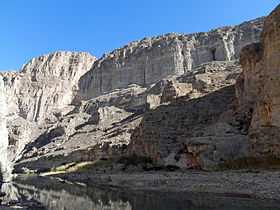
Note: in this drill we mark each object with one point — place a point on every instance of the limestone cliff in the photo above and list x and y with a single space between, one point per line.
45 83
151 59
258 88
195 130
176 113
67 107
44 87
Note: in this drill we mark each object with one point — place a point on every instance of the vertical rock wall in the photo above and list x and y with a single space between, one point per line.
46 86
152 59
4 163
259 88
49 84
46 83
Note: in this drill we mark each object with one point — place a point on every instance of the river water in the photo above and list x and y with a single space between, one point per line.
40 193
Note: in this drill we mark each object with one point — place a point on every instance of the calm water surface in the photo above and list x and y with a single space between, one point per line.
52 194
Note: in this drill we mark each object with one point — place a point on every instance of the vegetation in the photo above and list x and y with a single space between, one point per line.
269 162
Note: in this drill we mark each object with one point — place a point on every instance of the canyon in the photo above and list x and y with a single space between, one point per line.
176 101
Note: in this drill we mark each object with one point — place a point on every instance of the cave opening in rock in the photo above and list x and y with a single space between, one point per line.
213 53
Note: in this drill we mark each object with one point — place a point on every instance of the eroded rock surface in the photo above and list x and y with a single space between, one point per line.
152 59
198 130
258 89
5 172
101 128
45 83
169 98
44 87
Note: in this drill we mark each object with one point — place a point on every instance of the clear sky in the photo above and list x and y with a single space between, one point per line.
33 27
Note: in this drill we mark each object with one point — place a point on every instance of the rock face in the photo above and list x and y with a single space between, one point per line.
101 128
96 129
169 98
197 130
151 59
258 88
44 87
46 83
4 163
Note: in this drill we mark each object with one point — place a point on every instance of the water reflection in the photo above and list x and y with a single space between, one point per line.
52 194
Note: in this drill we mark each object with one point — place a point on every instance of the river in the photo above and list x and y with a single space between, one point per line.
43 193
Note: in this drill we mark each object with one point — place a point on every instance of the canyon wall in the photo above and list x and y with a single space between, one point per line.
152 59
258 88
44 88
196 130
69 107
45 83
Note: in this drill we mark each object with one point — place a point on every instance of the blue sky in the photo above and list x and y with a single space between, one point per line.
33 27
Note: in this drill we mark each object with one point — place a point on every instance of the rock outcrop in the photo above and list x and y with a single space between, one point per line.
219 125
152 59
169 98
197 130
101 128
4 142
258 89
43 88
46 83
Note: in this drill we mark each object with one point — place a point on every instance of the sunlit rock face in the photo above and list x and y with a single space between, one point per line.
103 126
122 85
44 87
196 129
5 165
258 88
152 59
45 84
71 106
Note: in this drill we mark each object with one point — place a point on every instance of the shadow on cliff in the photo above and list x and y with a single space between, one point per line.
170 123
44 139
187 116
200 133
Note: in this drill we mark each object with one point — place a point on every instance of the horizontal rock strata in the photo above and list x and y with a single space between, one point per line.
169 98
151 59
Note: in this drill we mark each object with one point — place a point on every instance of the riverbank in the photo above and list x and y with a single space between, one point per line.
242 183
